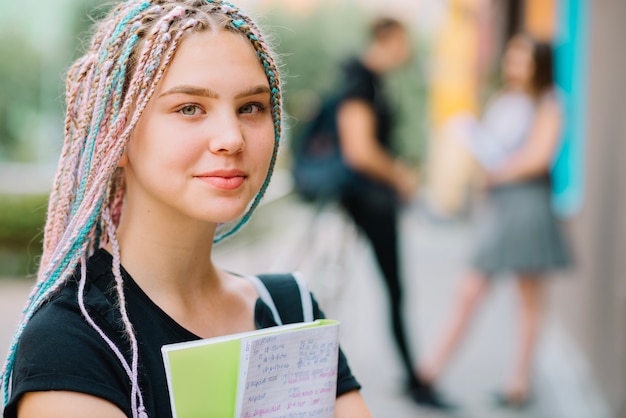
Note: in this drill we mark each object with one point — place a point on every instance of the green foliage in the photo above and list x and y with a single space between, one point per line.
312 50
20 85
32 80
22 219
409 88
83 15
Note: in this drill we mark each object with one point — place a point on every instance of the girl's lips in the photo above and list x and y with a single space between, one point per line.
224 180
224 183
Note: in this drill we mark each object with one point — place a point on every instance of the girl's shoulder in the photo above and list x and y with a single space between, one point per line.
63 309
553 96
60 350
550 103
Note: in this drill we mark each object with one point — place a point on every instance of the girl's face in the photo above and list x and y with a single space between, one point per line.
202 146
518 66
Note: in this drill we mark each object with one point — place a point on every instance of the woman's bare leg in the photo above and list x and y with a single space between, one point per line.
531 297
471 292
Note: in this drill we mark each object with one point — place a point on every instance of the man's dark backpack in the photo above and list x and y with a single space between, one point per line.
319 171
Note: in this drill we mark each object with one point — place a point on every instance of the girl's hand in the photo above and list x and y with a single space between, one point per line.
351 405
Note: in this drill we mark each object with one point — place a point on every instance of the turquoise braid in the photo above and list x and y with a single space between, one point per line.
107 94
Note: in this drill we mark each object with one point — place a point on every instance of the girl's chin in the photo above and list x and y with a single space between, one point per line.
224 218
221 211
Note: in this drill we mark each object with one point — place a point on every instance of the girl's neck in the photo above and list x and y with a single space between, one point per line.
174 268
167 255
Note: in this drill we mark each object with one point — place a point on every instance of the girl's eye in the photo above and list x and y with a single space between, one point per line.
189 110
251 108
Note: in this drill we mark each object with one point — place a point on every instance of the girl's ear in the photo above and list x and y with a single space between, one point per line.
123 162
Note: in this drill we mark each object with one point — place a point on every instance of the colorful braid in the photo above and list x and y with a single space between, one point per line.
106 92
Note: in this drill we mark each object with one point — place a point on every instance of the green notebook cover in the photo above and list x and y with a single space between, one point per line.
203 375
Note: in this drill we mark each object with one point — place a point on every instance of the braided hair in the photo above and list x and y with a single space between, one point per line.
107 90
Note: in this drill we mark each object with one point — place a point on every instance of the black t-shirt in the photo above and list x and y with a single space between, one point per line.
361 83
59 350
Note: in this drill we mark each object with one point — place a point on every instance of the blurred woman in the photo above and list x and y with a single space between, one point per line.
519 235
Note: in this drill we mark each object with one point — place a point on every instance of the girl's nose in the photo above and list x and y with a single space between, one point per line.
227 135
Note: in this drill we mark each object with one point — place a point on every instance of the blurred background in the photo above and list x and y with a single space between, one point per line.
581 365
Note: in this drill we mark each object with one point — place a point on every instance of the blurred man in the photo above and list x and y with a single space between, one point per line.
380 182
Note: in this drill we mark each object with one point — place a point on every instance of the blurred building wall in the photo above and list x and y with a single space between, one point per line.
587 177
540 17
454 90
593 304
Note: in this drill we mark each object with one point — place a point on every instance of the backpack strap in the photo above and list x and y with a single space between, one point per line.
266 297
281 293
305 297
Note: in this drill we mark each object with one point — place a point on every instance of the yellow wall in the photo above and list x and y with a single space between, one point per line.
454 77
540 18
454 85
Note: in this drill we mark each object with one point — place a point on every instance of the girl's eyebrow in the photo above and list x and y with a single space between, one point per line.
191 90
253 91
204 92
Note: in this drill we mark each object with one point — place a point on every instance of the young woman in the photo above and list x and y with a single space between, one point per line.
516 141
172 129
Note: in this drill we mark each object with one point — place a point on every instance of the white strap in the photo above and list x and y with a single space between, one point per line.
305 296
265 296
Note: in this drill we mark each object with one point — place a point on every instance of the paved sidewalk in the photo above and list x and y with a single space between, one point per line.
342 274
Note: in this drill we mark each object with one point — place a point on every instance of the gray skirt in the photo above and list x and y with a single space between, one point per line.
519 232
